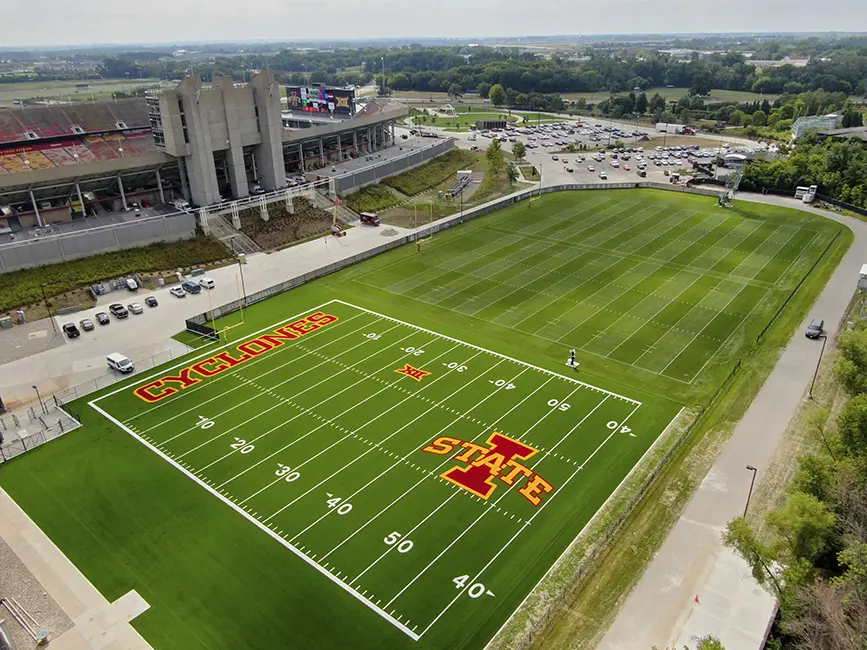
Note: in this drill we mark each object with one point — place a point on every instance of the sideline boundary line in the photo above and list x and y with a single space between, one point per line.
267 528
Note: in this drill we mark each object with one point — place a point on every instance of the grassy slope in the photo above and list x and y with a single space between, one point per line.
594 603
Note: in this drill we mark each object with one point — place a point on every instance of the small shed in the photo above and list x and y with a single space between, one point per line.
488 125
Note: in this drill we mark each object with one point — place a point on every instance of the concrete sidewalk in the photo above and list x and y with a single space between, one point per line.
662 610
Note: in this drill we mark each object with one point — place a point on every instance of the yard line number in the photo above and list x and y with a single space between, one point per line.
476 590
287 473
343 507
502 383
563 406
403 547
373 336
416 352
241 445
454 365
613 425
204 423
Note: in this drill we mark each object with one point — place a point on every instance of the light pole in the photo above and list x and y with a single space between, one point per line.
41 403
241 269
382 60
750 493
47 306
818 363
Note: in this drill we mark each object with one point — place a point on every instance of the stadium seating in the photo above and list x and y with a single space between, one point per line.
92 117
45 121
101 149
10 128
132 112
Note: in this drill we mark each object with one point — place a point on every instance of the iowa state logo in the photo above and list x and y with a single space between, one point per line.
482 467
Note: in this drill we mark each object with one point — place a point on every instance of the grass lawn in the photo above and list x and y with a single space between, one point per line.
302 485
462 121
66 90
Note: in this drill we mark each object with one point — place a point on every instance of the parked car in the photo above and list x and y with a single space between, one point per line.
206 283
814 329
119 362
603 175
591 168
190 287
118 311
178 292
135 308
86 324
71 330
102 318
150 301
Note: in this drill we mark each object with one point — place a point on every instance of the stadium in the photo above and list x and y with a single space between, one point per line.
200 143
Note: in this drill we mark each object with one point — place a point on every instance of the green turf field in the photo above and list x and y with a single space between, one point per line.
394 455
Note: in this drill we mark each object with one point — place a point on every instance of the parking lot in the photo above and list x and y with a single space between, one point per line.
597 160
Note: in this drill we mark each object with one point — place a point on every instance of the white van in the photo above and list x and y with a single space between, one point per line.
206 283
131 284
117 361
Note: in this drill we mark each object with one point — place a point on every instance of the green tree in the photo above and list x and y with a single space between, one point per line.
511 174
760 557
709 643
641 104
484 89
519 150
455 91
496 157
400 81
497 95
852 118
804 526
852 425
760 118
657 103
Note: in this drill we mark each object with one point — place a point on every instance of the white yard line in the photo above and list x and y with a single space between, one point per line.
245 382
304 411
485 430
497 354
445 462
520 530
659 311
743 320
210 352
263 527
357 458
348 434
261 394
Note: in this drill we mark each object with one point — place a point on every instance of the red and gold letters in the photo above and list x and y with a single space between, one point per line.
171 384
483 464
412 371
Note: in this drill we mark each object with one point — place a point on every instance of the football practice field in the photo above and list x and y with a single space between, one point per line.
417 472
394 455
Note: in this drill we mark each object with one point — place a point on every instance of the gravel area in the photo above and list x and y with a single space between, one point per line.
17 582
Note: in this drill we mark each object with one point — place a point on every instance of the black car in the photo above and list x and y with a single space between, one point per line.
814 329
102 318
71 330
150 301
118 311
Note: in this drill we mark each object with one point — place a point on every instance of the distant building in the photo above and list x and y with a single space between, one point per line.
487 125
810 123
797 61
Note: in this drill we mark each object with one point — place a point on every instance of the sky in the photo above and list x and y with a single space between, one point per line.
56 22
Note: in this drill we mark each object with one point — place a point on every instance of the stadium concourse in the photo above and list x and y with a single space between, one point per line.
200 143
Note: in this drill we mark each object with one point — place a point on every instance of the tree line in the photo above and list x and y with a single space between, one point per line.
815 557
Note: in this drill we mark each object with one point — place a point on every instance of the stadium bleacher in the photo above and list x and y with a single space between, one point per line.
89 149
45 121
10 128
132 112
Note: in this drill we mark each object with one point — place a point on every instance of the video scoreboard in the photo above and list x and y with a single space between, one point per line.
319 99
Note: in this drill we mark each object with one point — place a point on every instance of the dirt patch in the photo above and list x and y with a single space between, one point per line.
284 228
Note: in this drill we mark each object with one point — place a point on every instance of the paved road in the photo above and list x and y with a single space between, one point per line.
662 609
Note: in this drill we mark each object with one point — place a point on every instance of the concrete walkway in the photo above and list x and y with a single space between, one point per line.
662 610
96 623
